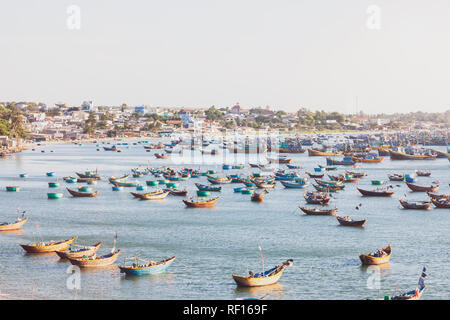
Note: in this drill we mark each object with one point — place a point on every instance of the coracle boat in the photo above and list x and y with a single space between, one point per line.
404 156
16 225
203 187
158 195
376 193
319 153
441 203
75 251
12 188
97 261
50 246
318 212
270 276
381 256
416 188
347 221
418 205
149 267
201 203
78 194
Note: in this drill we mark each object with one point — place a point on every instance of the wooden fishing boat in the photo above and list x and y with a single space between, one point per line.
410 295
280 159
367 160
441 203
95 261
404 156
50 246
416 188
440 154
312 175
119 179
418 205
291 166
203 187
347 161
270 276
318 212
126 184
215 180
423 173
376 193
355 174
149 267
158 195
438 196
78 194
383 152
330 184
319 153
16 225
297 184
396 177
380 257
349 222
79 251
174 192
89 175
327 168
257 197
265 185
161 156
317 200
201 203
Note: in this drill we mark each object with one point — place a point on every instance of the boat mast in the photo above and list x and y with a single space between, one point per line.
114 246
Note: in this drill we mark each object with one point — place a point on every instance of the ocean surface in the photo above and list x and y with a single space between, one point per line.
212 244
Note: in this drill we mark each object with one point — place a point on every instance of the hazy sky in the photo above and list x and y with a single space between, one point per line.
317 54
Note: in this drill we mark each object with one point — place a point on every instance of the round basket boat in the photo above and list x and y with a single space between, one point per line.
50 174
85 189
93 182
23 175
173 185
12 188
152 183
53 185
140 188
71 180
55 195
246 191
203 193
114 188
163 181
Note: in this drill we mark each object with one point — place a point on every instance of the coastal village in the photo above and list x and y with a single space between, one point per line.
39 122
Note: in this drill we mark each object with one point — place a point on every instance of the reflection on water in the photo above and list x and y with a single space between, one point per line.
270 292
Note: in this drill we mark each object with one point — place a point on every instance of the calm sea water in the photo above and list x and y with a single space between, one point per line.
212 244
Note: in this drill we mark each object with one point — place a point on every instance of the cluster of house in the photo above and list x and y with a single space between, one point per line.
68 122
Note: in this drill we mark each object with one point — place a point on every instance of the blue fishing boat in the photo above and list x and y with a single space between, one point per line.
299 183
238 190
203 187
50 174
113 148
23 175
290 166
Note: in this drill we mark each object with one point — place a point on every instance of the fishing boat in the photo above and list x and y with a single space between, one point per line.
280 159
16 225
356 174
148 267
438 196
312 175
367 158
113 148
50 246
319 153
346 161
347 221
161 156
50 174
76 251
404 156
291 166
381 256
317 198
297 184
423 173
257 197
203 187
327 168
332 184
415 294
318 212
396 177
377 182
158 195
376 193
216 180
175 192
264 185
267 277
418 205
95 261
126 184
89 175
82 194
441 203
441 154
201 203
119 179
416 188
